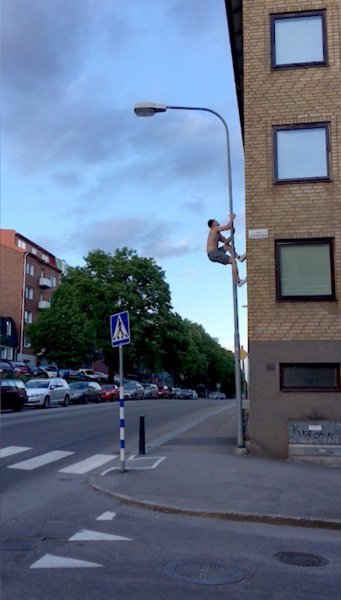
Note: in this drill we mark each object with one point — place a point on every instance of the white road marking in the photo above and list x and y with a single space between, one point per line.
86 535
39 461
138 463
88 464
106 516
50 561
12 450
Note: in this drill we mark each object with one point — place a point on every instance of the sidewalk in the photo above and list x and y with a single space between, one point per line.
202 476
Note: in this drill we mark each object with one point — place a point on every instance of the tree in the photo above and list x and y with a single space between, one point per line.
63 333
78 323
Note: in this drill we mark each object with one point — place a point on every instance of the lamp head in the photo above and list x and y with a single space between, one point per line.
148 109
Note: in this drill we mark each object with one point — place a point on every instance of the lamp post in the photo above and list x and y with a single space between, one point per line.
149 109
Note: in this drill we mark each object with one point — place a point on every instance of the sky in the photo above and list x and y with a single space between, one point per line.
79 170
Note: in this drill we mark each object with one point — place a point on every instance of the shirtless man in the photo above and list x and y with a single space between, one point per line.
218 254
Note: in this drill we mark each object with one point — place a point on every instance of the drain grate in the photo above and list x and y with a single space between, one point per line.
205 572
300 559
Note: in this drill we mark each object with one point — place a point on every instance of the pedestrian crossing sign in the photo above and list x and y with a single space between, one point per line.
119 329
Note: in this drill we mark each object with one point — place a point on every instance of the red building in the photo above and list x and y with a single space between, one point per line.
28 276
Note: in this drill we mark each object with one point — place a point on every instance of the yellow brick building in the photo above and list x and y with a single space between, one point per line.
287 63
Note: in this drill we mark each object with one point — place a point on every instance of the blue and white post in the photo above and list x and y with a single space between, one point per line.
122 423
120 335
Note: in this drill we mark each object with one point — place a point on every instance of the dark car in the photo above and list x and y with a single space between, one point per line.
13 394
82 392
5 367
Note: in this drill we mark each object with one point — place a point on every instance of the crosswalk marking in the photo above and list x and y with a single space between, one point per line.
88 464
39 461
12 450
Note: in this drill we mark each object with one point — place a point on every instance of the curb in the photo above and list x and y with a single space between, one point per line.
334 524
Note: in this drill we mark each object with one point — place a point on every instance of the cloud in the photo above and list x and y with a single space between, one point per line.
154 239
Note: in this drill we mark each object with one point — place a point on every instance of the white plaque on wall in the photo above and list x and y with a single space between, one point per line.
258 234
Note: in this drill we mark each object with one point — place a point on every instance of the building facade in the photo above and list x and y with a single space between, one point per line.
28 276
287 63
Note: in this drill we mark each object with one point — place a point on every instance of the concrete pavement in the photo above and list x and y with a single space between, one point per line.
202 476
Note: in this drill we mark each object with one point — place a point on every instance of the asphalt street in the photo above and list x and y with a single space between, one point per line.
62 540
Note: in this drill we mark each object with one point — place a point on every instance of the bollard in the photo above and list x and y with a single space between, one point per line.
142 437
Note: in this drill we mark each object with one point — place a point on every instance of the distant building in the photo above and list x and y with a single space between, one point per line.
287 67
28 276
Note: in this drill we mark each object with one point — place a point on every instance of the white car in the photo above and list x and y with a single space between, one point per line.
47 392
133 390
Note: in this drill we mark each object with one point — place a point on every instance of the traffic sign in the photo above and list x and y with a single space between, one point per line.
119 329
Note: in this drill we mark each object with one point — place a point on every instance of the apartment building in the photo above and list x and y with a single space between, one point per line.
28 276
287 65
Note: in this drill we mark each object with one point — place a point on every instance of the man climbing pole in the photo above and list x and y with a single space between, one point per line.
217 253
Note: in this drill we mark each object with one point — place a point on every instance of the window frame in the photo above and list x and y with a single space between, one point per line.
28 317
29 293
292 127
30 269
304 241
302 388
296 15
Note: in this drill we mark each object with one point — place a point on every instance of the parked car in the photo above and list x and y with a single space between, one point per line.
176 393
150 390
5 367
21 368
186 393
82 392
101 376
164 391
13 394
88 373
49 370
133 390
46 392
96 389
110 392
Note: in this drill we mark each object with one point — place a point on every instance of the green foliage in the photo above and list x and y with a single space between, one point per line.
77 324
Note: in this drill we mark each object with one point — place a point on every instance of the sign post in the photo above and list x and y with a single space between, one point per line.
120 335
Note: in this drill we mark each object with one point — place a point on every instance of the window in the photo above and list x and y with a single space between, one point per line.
29 292
317 377
28 316
21 244
53 281
34 250
301 152
29 269
305 269
298 39
27 343
8 328
45 258
42 273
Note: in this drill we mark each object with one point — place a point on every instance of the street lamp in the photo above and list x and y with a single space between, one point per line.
149 109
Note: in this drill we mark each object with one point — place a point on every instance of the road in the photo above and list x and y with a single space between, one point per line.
62 540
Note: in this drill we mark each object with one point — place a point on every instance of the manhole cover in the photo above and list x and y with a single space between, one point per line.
300 559
205 572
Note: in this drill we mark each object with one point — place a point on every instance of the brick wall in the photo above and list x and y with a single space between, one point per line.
11 282
296 210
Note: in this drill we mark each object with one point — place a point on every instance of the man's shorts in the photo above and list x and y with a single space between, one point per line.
219 256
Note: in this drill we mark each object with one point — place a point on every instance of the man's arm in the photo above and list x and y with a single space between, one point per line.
228 225
223 239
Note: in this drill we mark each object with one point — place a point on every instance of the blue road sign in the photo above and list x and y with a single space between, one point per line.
119 329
